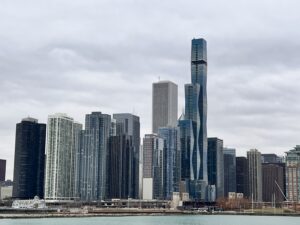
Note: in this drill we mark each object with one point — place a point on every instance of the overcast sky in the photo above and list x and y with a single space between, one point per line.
76 56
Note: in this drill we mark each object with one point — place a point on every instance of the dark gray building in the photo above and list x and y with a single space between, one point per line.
119 165
129 124
215 167
270 158
2 169
242 182
273 182
229 171
29 159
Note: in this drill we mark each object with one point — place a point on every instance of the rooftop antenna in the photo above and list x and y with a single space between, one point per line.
158 78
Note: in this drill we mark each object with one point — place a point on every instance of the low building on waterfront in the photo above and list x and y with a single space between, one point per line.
35 203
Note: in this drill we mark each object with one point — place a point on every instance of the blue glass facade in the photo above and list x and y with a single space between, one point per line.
196 111
171 163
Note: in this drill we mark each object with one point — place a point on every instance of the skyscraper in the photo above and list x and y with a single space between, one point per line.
119 165
273 182
242 183
215 165
164 105
186 148
29 159
196 111
229 171
293 174
94 156
153 167
129 124
2 169
172 160
255 175
61 150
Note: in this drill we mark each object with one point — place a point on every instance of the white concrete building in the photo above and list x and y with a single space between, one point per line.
61 147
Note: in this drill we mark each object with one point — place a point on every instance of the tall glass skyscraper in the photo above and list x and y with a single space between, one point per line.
171 160
229 170
94 150
196 112
129 124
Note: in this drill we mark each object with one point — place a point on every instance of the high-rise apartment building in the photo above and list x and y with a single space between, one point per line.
255 175
29 159
61 151
242 183
164 105
2 169
229 171
129 124
196 112
172 160
215 165
153 167
293 174
94 156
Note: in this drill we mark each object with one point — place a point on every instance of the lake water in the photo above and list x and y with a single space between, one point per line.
159 220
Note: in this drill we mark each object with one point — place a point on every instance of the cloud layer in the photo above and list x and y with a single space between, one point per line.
79 56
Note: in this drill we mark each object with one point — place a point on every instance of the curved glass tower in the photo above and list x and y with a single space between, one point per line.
196 112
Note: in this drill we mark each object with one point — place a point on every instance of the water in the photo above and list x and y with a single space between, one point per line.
160 220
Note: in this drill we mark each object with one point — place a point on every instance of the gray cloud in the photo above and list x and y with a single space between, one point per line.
78 56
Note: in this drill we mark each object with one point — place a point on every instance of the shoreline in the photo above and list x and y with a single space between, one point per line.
35 214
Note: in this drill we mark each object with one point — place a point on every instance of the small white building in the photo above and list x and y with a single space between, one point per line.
35 203
6 192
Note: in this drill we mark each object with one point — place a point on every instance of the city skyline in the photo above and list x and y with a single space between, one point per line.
245 112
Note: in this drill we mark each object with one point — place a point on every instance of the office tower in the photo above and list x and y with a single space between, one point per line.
293 174
255 175
153 167
94 155
229 171
172 160
164 105
129 124
61 149
119 167
2 169
29 159
196 112
242 183
215 167
273 182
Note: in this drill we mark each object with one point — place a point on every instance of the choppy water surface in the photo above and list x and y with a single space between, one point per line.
160 220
